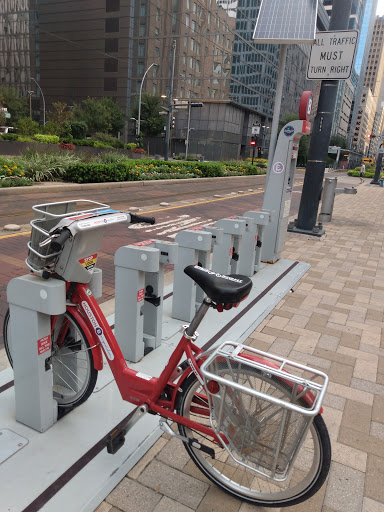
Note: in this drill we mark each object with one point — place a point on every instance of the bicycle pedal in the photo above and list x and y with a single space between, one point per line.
115 441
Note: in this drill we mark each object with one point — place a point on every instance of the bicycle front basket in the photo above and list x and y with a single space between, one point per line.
260 411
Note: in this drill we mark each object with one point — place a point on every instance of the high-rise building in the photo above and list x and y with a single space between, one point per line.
113 48
19 48
360 64
364 133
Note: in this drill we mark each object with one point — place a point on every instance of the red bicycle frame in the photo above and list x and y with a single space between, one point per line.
134 386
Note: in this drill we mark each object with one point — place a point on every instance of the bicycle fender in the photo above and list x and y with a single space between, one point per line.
93 341
308 397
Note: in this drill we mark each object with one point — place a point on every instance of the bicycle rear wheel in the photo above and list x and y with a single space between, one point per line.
74 374
310 469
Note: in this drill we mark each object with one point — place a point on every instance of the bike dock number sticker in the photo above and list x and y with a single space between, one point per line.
89 262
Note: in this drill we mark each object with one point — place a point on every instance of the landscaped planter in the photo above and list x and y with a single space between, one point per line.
16 148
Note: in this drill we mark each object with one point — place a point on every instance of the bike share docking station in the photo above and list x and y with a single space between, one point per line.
139 287
67 467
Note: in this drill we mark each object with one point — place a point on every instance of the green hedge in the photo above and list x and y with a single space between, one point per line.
46 139
9 136
146 169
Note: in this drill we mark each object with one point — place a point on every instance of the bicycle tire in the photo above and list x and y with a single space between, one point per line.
244 483
74 373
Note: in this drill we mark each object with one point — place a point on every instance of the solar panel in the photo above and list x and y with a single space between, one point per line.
286 21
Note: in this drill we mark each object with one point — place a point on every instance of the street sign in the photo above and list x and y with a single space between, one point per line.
332 55
256 129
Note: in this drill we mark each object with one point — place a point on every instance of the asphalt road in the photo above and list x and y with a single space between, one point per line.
191 203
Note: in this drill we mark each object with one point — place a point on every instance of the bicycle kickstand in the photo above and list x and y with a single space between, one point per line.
191 441
116 438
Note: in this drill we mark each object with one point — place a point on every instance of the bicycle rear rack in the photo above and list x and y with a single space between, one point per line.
262 407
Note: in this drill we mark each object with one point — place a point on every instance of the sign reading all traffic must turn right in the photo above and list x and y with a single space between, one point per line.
332 55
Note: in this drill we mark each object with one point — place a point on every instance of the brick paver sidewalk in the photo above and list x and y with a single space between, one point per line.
333 321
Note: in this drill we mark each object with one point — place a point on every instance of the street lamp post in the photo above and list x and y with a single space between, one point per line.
42 96
141 87
30 103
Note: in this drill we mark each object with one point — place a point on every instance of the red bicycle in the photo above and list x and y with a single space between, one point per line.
250 425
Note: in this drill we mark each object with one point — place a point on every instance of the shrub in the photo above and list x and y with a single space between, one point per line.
25 138
131 145
13 176
50 128
67 145
9 136
78 129
47 139
81 142
96 173
110 157
109 140
139 150
48 166
27 126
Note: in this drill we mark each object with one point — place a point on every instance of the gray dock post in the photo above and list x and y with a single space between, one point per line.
194 248
32 301
139 278
262 219
225 256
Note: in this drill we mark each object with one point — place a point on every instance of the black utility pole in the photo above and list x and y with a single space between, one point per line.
379 161
321 133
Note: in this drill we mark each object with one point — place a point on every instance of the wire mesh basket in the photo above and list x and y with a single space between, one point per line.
47 217
261 406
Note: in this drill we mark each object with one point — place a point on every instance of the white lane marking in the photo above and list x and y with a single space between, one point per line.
202 224
171 227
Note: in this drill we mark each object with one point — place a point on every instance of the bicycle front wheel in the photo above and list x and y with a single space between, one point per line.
310 468
74 374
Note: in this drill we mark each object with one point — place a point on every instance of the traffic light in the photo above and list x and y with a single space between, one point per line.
259 151
173 122
253 141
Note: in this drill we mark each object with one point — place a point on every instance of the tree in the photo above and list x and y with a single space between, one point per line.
17 106
100 115
60 115
339 141
151 122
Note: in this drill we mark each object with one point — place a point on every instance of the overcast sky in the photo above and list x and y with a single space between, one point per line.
380 7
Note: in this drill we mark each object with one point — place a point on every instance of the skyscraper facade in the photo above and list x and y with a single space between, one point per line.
113 48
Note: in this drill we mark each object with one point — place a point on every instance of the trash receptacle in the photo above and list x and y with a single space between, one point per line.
381 182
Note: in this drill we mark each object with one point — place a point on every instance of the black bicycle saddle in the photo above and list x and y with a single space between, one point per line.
220 288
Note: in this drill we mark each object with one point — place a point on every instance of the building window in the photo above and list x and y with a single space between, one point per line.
141 49
112 5
112 45
142 29
110 84
143 9
157 51
140 68
111 65
112 24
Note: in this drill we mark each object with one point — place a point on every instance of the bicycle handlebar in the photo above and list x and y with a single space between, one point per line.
58 243
136 219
